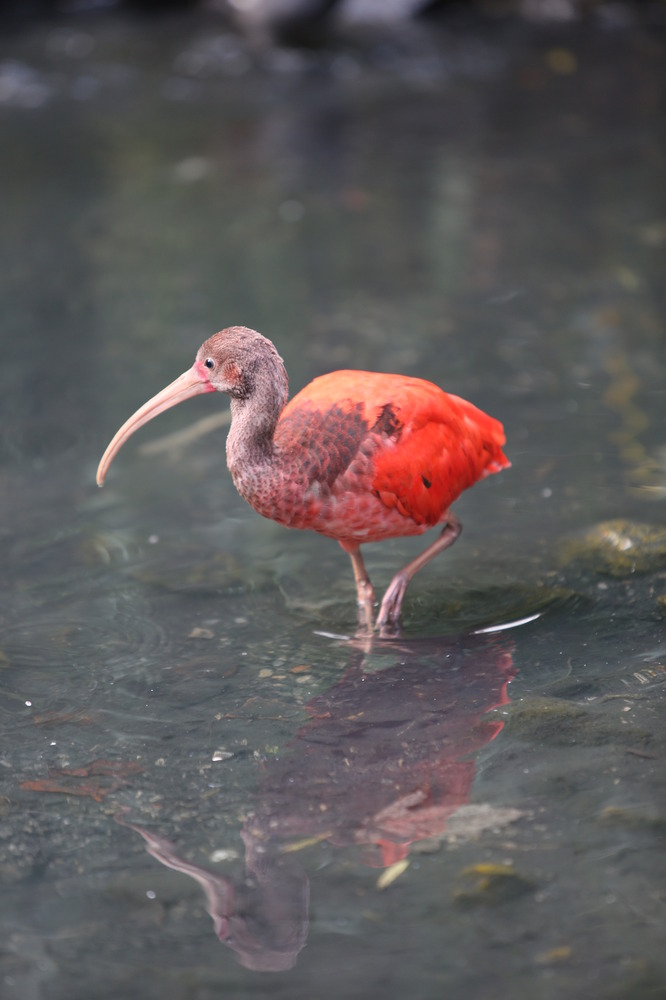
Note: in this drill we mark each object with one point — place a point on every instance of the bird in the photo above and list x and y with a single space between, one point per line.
356 456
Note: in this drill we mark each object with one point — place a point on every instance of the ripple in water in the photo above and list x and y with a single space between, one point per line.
107 635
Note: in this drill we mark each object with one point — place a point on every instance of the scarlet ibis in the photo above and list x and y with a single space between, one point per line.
357 456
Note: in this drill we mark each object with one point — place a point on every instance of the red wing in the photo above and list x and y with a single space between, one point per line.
446 445
431 445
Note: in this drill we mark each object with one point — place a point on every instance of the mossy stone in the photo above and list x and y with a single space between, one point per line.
618 548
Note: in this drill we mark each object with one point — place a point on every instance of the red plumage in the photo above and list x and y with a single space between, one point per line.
401 450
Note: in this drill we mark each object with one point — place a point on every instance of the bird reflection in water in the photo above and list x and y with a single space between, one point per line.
263 918
385 760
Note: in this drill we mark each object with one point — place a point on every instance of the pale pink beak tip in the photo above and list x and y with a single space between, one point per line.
189 384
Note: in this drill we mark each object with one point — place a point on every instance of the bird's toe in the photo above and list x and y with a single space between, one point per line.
388 619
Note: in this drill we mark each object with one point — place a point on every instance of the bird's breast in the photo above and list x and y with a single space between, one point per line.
345 507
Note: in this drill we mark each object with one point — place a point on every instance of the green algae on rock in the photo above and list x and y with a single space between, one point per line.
618 548
559 722
460 606
488 883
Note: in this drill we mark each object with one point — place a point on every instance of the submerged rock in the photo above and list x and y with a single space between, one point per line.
618 548
489 883
560 722
632 818
187 573
490 604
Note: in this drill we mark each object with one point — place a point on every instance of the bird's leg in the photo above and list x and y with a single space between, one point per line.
364 591
388 620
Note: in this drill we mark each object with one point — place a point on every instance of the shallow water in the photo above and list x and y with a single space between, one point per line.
451 813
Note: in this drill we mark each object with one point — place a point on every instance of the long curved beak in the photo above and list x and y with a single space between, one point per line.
190 383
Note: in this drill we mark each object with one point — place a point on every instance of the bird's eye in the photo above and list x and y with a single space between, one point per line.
209 363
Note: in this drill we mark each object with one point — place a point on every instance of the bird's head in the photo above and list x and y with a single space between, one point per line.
237 361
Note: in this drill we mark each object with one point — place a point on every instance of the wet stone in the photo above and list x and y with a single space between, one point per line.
220 573
106 548
632 818
488 884
201 633
558 722
491 605
618 548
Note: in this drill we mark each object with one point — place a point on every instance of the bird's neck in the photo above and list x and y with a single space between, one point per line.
254 418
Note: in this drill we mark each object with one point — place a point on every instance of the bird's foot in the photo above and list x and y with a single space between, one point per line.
391 631
388 619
